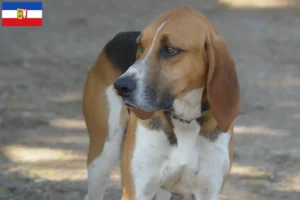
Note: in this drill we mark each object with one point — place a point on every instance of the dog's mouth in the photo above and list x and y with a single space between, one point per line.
166 106
128 104
146 110
138 112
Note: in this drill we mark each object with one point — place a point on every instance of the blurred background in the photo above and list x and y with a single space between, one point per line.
43 138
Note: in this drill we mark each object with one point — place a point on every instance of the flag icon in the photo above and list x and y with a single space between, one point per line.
22 13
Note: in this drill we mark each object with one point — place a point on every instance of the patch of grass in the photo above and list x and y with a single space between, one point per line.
3 192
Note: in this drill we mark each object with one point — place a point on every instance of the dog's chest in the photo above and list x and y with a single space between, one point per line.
195 164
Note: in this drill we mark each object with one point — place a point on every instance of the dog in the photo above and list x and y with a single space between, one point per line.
163 101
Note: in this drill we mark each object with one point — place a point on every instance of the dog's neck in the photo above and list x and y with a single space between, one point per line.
205 111
188 107
195 107
192 107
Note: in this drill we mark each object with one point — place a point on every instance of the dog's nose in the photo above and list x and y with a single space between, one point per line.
124 86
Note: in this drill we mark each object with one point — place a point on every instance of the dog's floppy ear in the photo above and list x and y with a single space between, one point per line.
222 82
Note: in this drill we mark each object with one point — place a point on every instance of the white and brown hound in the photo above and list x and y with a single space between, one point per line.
164 100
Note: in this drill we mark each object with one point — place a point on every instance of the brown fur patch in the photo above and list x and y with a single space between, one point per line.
128 190
95 105
222 82
188 69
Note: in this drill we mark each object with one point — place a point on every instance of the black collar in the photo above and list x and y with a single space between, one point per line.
205 110
169 126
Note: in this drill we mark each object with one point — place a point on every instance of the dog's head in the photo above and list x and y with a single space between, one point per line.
180 53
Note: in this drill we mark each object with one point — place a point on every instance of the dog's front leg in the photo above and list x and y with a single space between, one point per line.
210 192
142 184
143 187
144 153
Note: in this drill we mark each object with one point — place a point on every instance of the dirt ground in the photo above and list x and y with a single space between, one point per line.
43 139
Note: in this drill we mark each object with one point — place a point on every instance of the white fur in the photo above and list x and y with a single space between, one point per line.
195 166
100 168
162 195
189 106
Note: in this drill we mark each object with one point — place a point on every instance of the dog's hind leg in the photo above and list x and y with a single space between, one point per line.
105 115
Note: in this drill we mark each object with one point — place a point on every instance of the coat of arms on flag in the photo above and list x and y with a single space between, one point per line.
22 14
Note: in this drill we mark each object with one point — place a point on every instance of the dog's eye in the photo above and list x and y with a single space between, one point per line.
168 51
